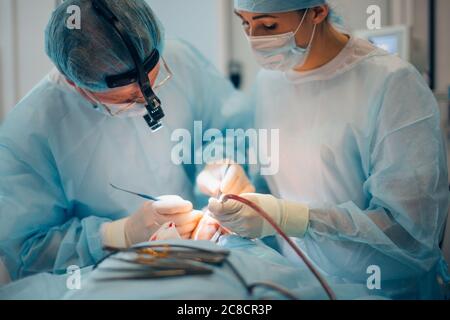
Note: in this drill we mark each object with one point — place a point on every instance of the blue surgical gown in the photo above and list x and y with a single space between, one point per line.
58 156
361 144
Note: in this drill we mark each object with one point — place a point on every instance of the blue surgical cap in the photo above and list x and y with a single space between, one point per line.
88 55
275 6
279 6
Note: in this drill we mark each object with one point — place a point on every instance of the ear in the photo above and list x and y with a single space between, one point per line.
320 13
71 83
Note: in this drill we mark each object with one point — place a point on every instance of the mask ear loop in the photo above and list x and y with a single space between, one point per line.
301 22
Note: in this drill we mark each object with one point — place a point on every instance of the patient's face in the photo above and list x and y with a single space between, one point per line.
206 229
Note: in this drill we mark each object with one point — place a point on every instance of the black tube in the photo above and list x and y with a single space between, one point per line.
432 42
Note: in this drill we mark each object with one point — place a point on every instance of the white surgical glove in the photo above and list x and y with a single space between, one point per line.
206 229
292 217
140 226
225 177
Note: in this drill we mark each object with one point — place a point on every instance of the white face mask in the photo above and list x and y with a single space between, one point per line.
280 52
127 110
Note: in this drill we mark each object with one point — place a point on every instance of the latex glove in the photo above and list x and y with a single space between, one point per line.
292 217
224 178
207 229
140 226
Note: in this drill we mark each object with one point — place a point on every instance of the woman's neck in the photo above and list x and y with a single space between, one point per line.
327 44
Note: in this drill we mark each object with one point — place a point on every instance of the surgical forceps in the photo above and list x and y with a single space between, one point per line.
151 198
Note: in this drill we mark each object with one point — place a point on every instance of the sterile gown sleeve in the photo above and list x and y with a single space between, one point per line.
406 188
38 233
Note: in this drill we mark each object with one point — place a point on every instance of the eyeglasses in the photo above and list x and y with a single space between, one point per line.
164 75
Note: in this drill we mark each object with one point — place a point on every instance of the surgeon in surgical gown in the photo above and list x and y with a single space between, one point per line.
363 181
62 146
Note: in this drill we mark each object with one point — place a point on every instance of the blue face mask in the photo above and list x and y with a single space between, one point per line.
280 52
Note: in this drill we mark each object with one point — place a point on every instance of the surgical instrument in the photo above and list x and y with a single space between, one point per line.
224 174
151 198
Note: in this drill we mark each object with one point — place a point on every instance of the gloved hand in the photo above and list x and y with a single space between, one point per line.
224 177
206 229
140 226
292 217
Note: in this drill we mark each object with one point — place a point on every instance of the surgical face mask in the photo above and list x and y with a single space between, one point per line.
123 110
280 52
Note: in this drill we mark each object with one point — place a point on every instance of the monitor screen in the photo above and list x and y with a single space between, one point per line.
389 42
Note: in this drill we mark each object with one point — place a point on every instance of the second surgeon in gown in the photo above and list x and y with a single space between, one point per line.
363 181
